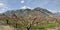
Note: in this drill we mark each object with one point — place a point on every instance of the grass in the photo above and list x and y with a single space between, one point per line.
45 26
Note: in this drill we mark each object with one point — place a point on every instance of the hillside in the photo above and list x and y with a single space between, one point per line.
30 19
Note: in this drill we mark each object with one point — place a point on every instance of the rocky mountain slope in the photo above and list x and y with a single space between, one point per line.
27 11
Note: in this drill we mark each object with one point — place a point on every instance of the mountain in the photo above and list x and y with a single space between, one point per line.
27 11
9 12
57 14
43 11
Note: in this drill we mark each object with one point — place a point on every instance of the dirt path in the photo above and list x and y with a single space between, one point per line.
4 27
1 28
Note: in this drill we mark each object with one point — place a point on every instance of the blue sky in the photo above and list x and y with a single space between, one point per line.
51 5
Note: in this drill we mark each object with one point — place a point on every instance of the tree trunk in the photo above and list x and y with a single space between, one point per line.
28 28
7 21
16 25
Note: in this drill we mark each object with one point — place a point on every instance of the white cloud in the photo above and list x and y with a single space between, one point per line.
22 1
3 9
2 5
25 7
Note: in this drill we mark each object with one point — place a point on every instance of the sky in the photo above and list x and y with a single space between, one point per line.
51 5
